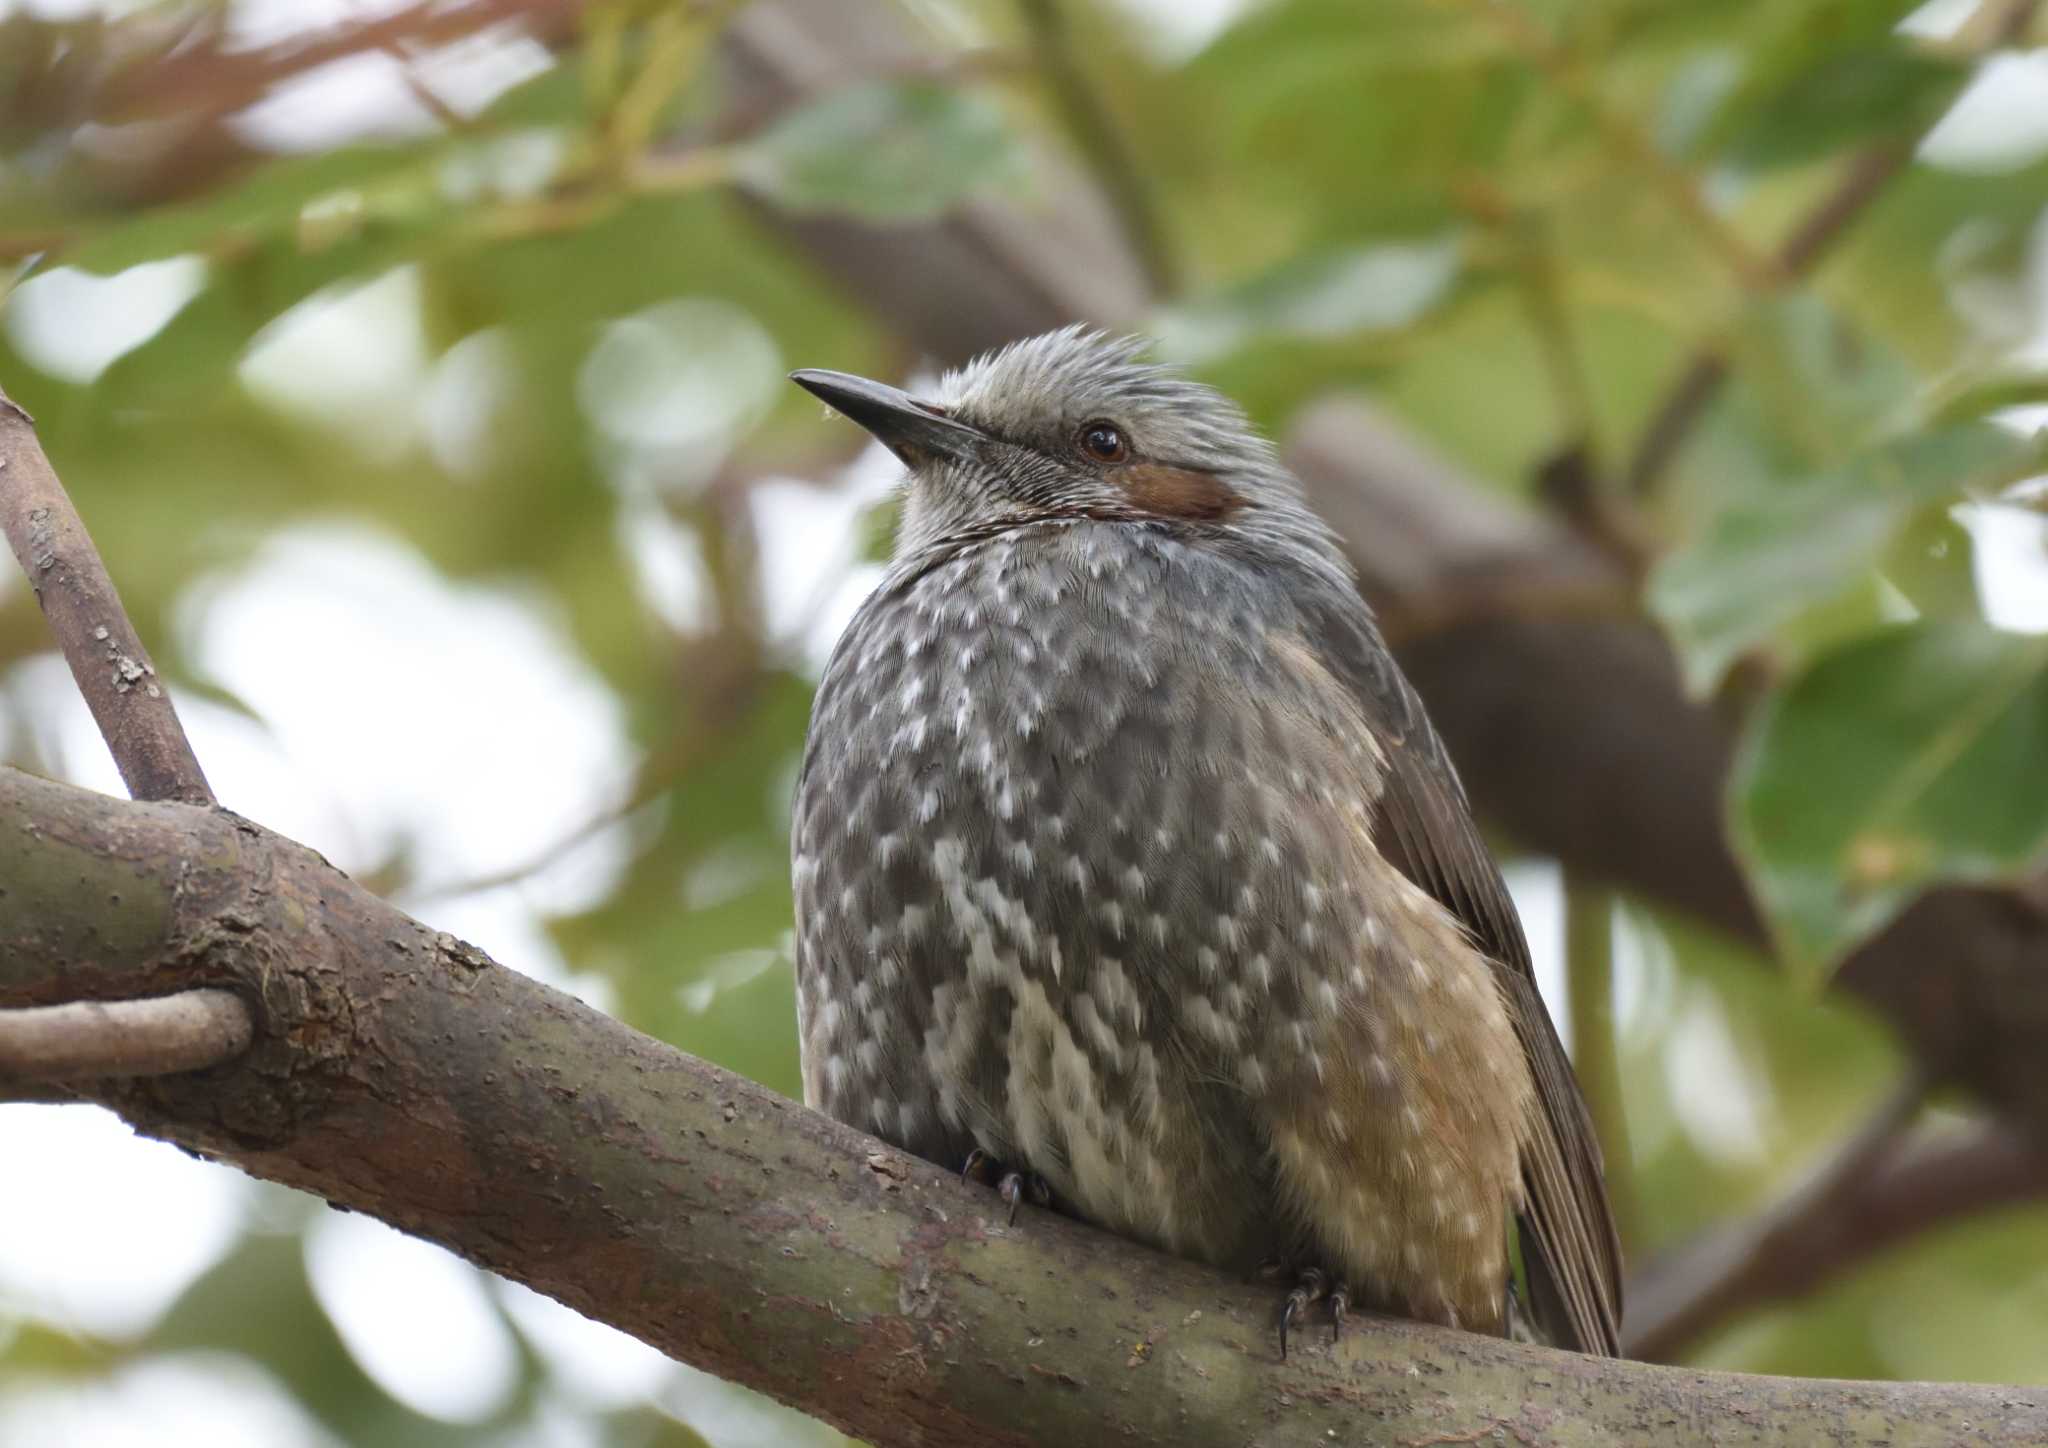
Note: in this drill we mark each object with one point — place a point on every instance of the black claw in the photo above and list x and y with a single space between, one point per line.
1012 1186
1308 1288
1340 1304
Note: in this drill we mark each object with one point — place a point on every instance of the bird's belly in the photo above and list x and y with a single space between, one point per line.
1118 1127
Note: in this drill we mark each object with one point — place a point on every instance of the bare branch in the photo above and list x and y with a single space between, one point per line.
113 669
406 1076
188 1031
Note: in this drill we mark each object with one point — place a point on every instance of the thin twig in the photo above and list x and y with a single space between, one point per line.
653 784
1673 420
113 669
1811 238
157 1036
1108 152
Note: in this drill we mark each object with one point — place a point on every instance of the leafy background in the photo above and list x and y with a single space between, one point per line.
426 403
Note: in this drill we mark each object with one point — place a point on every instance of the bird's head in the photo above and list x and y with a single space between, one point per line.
1074 424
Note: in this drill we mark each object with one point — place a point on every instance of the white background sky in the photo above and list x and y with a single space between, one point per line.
77 1247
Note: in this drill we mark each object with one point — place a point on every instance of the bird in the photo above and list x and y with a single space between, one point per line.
1131 877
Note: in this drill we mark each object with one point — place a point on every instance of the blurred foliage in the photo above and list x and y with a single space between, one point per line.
1511 222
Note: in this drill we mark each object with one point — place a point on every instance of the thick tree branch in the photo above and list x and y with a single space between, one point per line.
401 1073
183 1032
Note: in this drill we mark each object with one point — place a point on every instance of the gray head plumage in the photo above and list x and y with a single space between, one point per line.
1007 439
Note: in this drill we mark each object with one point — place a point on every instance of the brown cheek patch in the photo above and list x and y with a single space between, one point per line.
1168 492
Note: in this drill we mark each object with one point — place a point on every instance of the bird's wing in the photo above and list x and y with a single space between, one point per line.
1424 825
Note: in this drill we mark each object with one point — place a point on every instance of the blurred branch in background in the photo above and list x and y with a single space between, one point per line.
169 84
199 76
1886 1185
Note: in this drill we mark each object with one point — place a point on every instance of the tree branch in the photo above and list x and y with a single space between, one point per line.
106 656
403 1074
188 1031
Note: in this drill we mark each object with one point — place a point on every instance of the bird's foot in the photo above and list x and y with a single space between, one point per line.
1012 1186
1312 1286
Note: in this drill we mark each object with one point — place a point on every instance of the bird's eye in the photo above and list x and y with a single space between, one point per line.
1104 441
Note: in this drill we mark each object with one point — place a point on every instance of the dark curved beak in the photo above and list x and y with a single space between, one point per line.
914 431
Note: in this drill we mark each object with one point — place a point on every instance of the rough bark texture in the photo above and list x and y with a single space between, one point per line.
400 1072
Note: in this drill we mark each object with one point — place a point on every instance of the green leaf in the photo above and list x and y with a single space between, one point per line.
883 152
1851 98
1827 75
1910 757
1758 566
